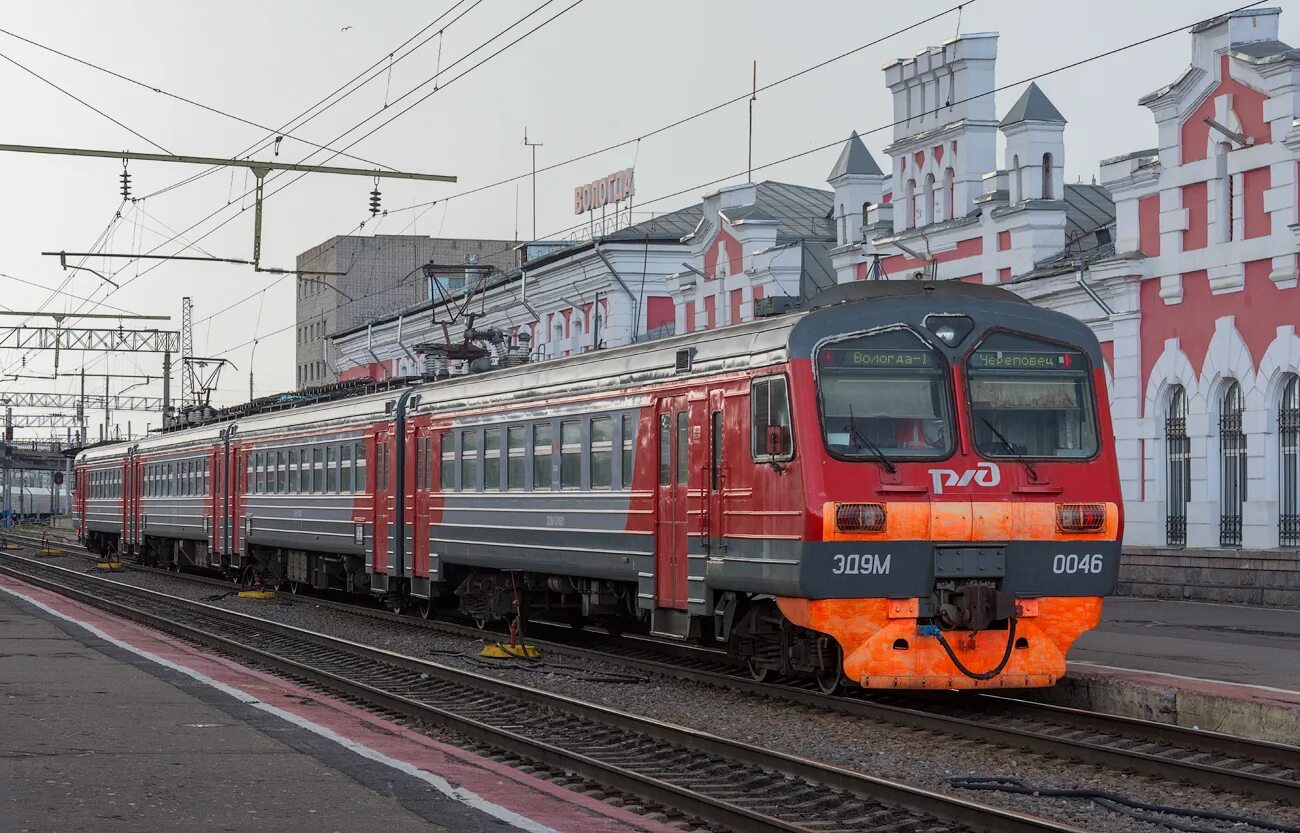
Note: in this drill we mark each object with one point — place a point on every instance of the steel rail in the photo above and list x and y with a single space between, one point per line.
980 717
730 810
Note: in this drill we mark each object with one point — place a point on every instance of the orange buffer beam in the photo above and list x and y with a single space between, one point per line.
884 647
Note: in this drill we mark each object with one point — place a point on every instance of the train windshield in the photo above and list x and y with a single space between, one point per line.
1031 398
884 394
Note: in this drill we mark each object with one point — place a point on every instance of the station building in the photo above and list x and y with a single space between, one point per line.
1182 257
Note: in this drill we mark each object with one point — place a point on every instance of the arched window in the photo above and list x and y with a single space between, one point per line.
1178 450
949 184
1232 461
1288 429
909 203
1047 176
1017 181
866 206
930 197
844 224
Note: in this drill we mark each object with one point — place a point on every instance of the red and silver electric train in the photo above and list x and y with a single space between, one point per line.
902 485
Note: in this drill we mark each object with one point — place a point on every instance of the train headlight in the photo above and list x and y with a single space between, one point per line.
859 517
950 329
1080 517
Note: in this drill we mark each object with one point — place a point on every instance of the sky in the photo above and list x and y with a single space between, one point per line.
601 73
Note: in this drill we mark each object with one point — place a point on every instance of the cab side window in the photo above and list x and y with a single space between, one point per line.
771 435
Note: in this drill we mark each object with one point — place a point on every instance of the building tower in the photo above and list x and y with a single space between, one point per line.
1035 153
945 131
858 183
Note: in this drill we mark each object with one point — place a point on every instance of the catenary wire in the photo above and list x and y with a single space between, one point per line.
690 118
680 121
300 175
307 116
696 187
83 102
169 94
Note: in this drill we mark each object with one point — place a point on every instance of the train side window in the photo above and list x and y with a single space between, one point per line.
570 454
304 470
171 480
683 446
492 459
359 464
447 468
293 471
665 449
771 436
318 470
601 466
331 469
515 457
420 460
715 452
345 469
542 456
629 446
281 472
470 444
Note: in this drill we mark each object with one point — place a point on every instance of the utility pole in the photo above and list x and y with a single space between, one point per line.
534 146
81 408
9 453
187 351
167 388
106 404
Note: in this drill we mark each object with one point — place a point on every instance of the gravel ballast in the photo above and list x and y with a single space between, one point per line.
920 758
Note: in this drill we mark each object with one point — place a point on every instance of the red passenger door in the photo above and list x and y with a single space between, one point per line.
716 474
670 503
130 503
238 487
383 500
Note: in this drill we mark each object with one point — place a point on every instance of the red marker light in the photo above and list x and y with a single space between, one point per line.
1080 517
859 517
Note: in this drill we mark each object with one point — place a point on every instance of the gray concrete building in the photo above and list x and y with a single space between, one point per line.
384 273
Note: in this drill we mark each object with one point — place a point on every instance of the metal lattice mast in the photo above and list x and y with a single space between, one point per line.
187 350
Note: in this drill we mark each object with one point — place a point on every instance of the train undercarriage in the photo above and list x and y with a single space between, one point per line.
752 629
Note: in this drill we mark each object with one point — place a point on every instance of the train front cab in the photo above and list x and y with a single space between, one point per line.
966 521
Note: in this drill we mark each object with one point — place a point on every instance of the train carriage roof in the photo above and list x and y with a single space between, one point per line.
755 344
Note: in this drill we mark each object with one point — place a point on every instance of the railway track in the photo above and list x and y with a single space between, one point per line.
715 779
1208 759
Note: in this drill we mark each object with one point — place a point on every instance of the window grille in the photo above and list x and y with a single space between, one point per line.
1288 426
1232 449
1178 449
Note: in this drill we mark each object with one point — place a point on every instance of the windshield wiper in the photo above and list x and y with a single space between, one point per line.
860 441
1033 473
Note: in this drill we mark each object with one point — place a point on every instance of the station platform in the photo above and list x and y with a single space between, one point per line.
1225 668
111 727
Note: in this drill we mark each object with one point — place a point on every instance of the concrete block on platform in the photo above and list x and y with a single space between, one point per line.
1248 711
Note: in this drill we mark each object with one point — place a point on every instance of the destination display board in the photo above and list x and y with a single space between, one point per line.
1026 360
844 357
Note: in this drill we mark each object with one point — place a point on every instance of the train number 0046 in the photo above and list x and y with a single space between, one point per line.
1071 563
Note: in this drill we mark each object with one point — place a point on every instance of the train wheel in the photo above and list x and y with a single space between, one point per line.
758 672
830 680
